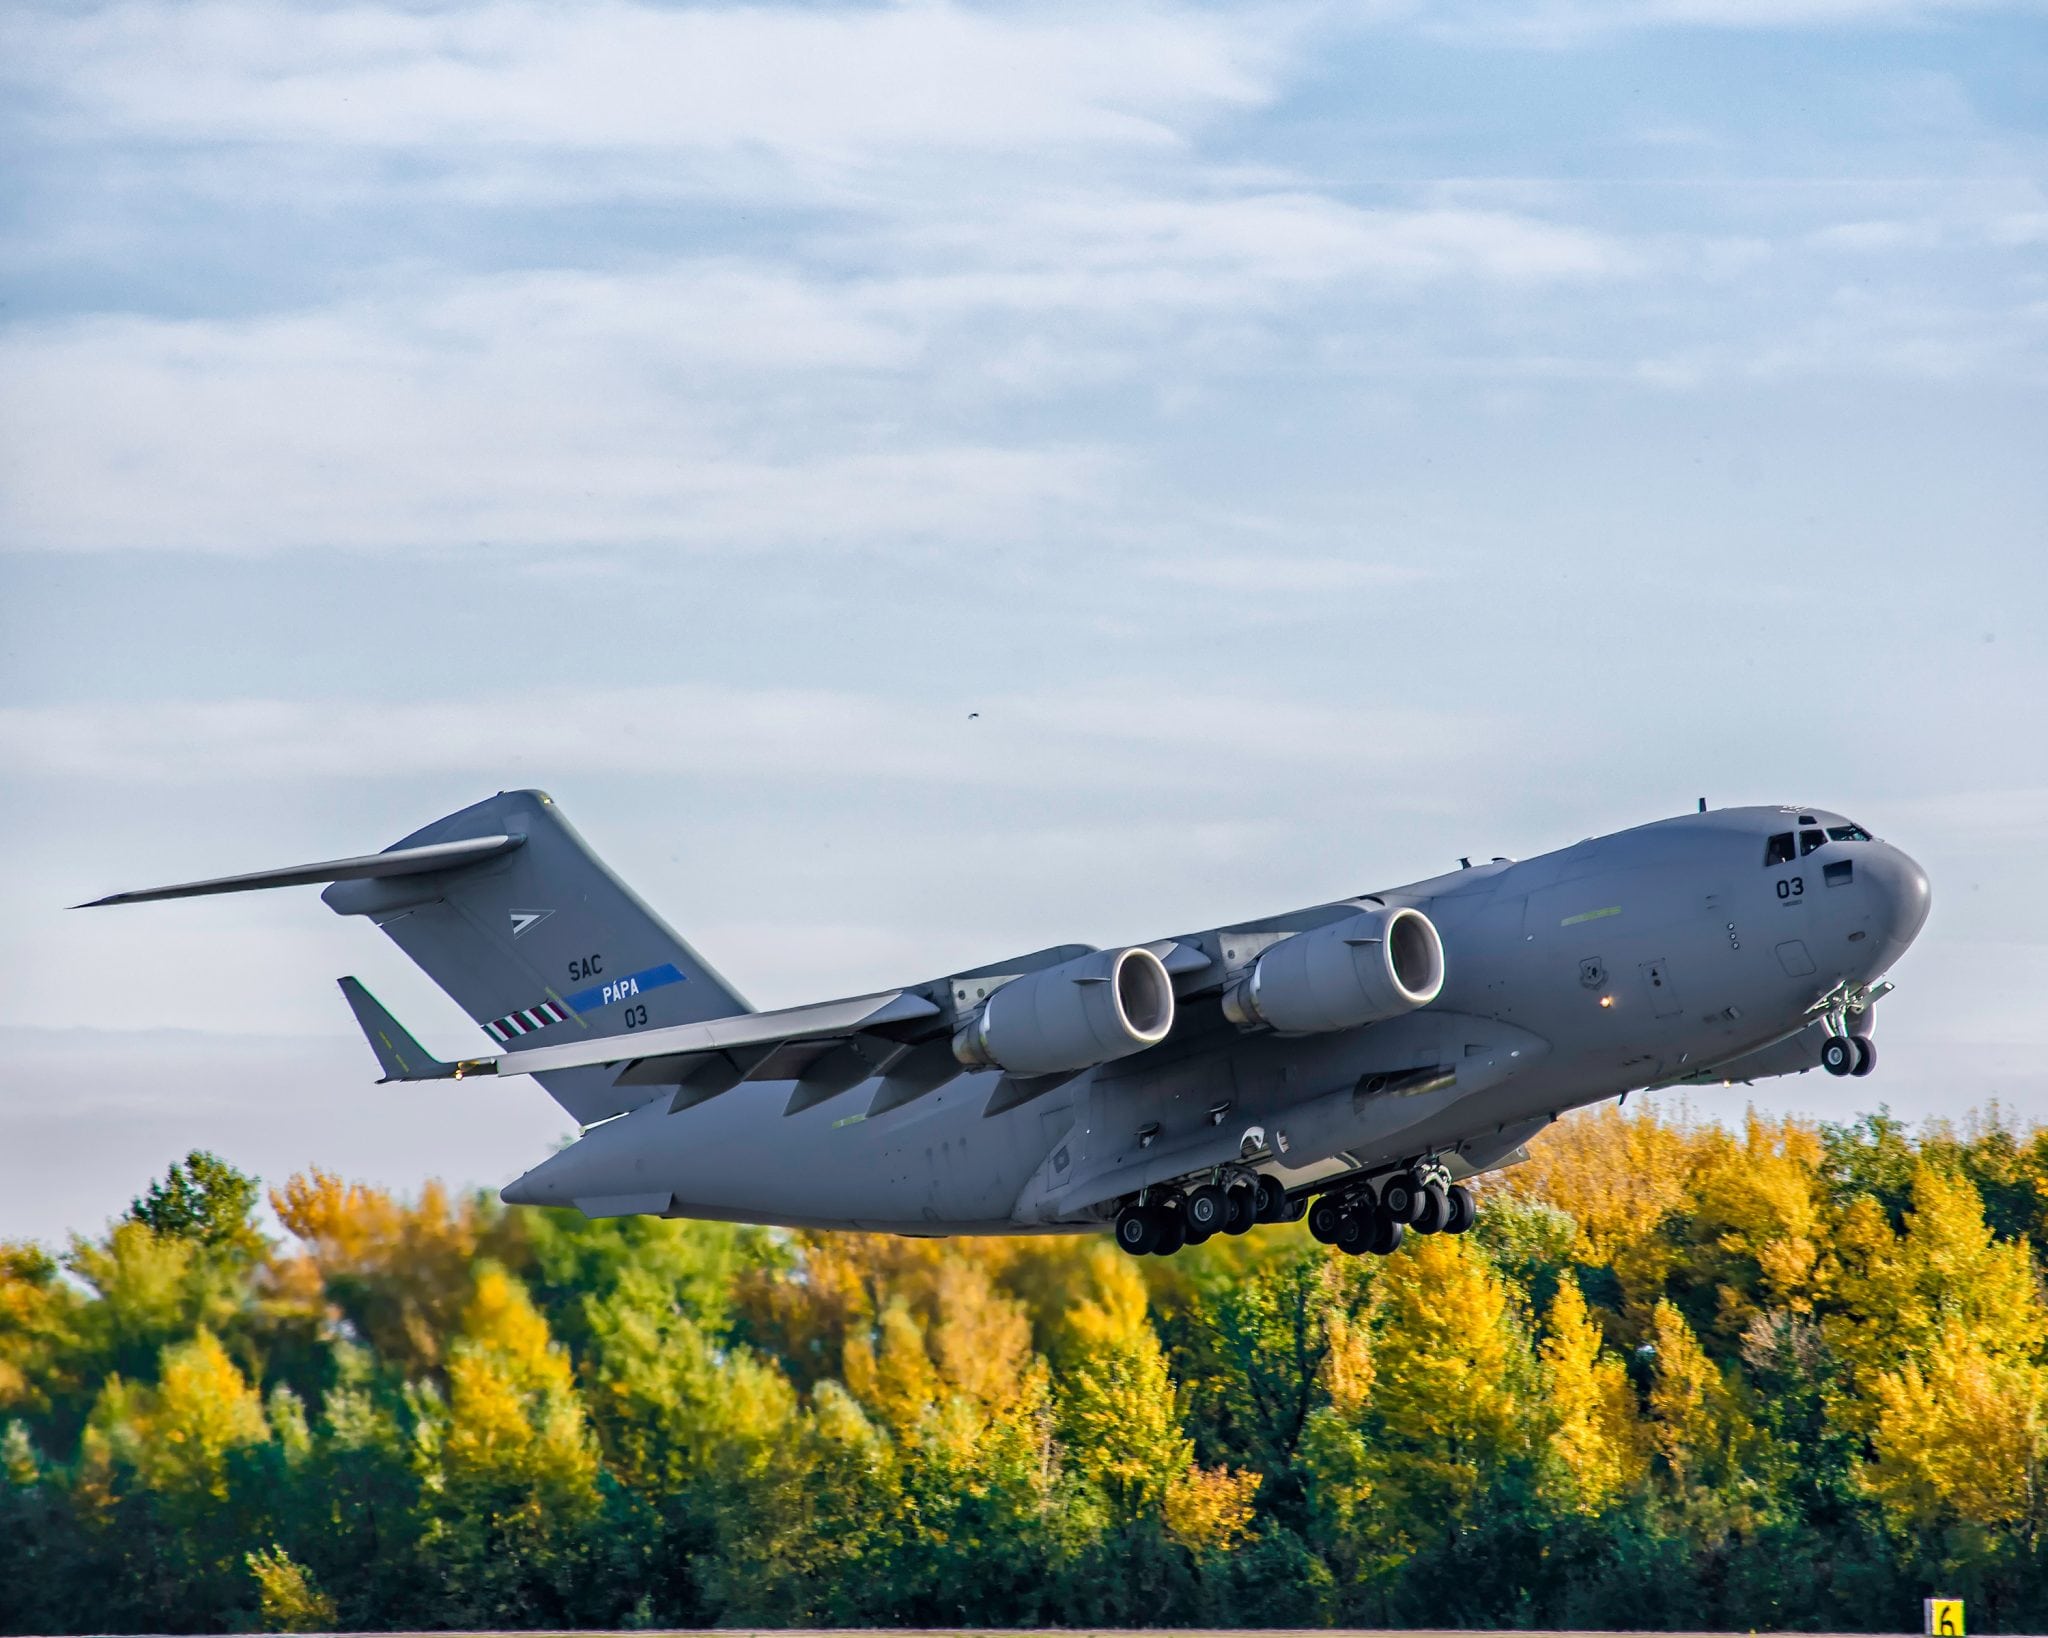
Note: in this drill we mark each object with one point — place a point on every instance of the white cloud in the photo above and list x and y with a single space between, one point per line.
816 85
1126 250
575 412
705 403
1560 23
1281 574
1105 735
1876 236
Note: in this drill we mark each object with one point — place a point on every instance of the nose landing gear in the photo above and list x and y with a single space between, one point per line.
1843 1053
1849 1055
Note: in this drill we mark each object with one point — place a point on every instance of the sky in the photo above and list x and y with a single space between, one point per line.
1320 441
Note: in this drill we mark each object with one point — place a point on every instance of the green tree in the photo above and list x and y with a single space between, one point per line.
202 1198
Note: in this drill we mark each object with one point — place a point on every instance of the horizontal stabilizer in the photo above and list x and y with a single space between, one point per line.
822 1019
400 861
398 1054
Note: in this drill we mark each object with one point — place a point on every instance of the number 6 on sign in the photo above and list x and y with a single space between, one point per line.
1944 1617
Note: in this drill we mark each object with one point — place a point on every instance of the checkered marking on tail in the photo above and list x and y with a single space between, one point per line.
515 1024
525 1022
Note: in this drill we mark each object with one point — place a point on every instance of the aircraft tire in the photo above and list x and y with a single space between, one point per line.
1866 1055
1838 1057
1173 1233
1206 1210
1297 1209
1387 1236
1325 1217
1401 1196
1433 1215
1272 1199
1464 1209
1244 1211
1138 1229
1355 1234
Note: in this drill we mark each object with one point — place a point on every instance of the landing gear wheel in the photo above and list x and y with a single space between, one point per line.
1387 1236
1272 1199
1297 1209
1206 1210
1866 1055
1355 1233
1433 1214
1244 1211
1173 1233
1401 1196
1138 1229
1838 1057
1325 1217
1464 1209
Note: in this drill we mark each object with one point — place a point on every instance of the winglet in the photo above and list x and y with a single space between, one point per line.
398 1054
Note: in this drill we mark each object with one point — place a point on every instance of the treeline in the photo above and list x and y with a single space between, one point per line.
1791 1376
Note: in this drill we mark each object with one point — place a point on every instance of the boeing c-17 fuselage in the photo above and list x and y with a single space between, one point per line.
1354 1061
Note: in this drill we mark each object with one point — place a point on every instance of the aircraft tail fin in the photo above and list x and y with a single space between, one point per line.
398 1054
507 908
541 943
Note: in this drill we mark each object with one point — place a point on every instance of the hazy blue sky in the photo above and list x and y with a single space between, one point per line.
1320 441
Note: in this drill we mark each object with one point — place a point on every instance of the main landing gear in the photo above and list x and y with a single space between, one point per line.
1160 1221
1421 1199
1373 1216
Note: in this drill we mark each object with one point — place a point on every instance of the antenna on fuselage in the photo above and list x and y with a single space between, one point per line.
1703 804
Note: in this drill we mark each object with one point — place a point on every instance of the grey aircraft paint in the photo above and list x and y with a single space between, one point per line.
1731 944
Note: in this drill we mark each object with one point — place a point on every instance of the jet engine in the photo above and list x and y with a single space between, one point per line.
1371 966
1083 1012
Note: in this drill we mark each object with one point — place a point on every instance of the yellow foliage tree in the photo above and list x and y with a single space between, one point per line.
1209 1509
513 1413
202 1408
288 1598
37 1312
893 1374
1450 1368
1756 1222
1117 1410
1594 1447
1901 1297
1620 1177
1334 1449
1700 1430
1961 1447
1346 1375
400 1271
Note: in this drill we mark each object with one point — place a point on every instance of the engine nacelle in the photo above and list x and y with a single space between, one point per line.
1083 1012
1371 966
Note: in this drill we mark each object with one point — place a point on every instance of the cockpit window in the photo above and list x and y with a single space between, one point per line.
1809 840
1778 850
1848 833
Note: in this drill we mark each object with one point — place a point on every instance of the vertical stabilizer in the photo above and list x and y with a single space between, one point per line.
542 943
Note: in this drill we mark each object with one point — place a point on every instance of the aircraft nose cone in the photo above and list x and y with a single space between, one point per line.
1900 897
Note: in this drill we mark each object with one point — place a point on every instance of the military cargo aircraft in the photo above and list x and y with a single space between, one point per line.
1355 1062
